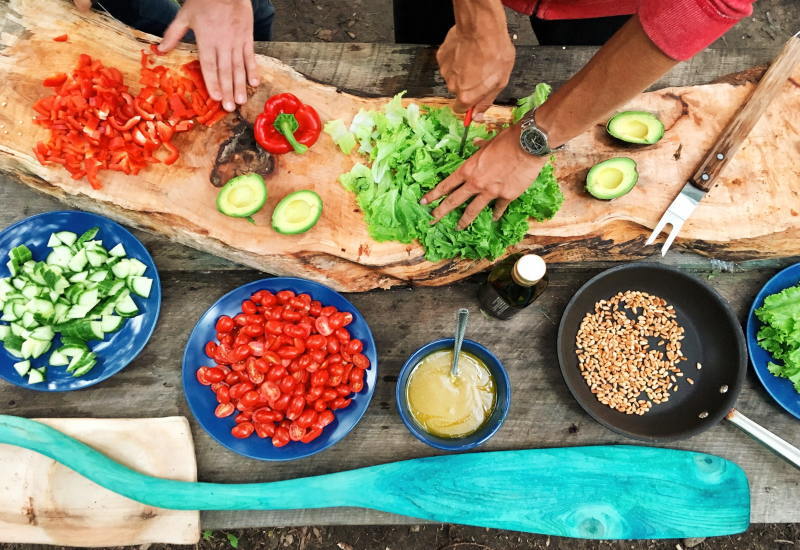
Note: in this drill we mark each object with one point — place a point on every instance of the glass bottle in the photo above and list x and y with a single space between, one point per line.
512 285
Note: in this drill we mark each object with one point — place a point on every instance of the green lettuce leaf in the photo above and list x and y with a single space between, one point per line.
780 333
340 135
410 150
539 95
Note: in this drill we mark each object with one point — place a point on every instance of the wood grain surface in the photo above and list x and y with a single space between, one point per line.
759 210
543 414
44 502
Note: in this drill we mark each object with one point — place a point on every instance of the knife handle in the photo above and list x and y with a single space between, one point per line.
739 127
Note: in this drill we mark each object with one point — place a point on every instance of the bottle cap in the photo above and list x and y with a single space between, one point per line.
529 270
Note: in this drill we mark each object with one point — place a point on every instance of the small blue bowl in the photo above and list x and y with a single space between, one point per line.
202 401
489 428
117 350
781 389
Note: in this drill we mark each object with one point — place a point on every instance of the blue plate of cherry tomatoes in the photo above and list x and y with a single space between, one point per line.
280 368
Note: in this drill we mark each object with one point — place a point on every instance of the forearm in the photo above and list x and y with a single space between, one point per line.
479 17
625 66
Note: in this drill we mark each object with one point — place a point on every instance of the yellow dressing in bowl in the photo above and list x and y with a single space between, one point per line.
447 406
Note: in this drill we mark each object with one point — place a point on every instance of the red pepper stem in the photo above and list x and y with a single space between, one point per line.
286 124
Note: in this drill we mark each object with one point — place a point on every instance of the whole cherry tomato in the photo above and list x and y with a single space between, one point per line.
306 418
324 418
211 350
248 307
336 321
274 327
287 383
256 347
225 324
243 430
249 399
295 407
316 341
241 319
354 346
284 296
311 435
320 405
315 309
233 378
281 437
215 375
333 345
264 430
268 299
223 394
291 315
240 389
282 402
342 334
356 386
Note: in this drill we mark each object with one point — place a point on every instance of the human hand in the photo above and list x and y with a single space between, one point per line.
500 171
83 5
476 66
224 32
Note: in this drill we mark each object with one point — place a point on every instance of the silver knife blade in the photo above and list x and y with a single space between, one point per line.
677 213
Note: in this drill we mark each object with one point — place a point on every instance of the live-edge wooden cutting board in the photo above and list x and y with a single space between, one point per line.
755 212
43 502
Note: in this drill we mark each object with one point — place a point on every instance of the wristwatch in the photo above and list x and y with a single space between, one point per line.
533 139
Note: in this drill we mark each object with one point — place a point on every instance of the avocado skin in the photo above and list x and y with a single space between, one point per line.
277 214
654 125
630 177
231 184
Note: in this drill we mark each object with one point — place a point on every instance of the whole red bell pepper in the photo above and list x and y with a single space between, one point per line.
287 124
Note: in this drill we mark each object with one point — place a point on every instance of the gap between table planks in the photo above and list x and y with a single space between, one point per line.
759 210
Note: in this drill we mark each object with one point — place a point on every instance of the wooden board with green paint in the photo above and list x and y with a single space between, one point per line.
601 492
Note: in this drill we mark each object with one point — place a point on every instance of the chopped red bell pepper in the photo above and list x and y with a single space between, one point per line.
287 124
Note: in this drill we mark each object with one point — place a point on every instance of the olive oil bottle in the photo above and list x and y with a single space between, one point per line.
512 285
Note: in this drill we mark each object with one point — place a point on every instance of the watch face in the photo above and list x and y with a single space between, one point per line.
534 141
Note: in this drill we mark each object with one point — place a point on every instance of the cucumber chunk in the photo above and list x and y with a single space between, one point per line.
141 286
126 307
22 367
118 251
67 238
36 376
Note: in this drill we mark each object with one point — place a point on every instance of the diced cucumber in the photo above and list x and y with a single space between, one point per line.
53 241
87 236
18 330
96 257
22 367
118 251
8 313
141 286
60 256
37 274
79 277
40 305
18 284
89 298
13 345
67 237
36 376
126 307
28 320
5 330
136 267
73 292
44 334
111 323
99 276
20 254
122 269
79 311
80 370
12 268
58 359
78 261
32 348
61 312
31 291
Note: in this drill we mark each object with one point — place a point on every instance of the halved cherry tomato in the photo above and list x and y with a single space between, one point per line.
281 437
311 435
264 430
323 326
201 375
354 346
224 410
243 430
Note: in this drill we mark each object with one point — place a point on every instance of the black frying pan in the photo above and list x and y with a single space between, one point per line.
713 338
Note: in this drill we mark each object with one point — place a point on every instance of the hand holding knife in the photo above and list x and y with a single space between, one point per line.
467 122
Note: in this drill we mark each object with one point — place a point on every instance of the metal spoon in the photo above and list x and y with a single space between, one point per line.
461 328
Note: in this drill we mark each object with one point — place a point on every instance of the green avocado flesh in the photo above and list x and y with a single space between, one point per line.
297 212
636 127
612 178
242 196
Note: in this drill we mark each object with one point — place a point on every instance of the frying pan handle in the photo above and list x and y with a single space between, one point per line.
779 446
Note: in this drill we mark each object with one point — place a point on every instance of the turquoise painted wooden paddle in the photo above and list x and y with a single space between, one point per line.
609 492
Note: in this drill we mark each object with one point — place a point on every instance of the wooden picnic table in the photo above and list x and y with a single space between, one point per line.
543 413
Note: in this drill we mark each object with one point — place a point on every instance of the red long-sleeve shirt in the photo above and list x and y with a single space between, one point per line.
680 28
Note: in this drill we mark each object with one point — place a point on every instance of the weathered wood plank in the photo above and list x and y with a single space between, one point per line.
542 411
385 69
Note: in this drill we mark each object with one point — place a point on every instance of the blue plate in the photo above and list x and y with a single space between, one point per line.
118 349
202 401
781 389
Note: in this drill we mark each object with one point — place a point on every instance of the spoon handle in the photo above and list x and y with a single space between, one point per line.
461 328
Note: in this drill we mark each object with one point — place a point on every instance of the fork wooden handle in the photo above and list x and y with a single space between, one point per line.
743 122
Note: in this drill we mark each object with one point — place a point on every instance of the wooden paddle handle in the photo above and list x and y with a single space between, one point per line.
743 122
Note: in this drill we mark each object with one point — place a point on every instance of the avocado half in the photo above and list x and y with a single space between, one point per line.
297 212
637 127
242 196
612 178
